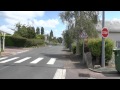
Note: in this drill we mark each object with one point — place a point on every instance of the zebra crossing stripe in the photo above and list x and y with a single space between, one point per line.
51 61
8 60
3 58
36 61
22 60
60 74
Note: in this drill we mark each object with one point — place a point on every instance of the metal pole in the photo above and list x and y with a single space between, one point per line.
103 41
0 46
83 50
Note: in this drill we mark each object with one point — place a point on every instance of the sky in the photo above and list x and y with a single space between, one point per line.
50 20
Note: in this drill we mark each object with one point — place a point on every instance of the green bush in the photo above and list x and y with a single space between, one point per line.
73 48
19 41
34 42
22 42
95 47
9 41
81 47
109 44
40 37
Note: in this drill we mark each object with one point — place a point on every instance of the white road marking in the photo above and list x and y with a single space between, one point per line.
91 78
51 61
22 60
9 60
3 58
23 51
60 74
36 61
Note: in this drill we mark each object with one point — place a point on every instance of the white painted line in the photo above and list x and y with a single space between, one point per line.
91 78
3 58
9 60
36 61
51 61
60 74
22 60
23 51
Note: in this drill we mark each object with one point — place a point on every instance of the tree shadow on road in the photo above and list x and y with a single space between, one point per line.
73 61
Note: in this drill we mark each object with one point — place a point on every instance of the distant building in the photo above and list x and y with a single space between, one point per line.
114 30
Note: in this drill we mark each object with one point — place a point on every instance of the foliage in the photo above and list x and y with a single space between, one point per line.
34 42
37 30
40 37
42 30
67 39
74 48
51 33
109 44
95 46
25 31
77 21
22 42
59 39
9 41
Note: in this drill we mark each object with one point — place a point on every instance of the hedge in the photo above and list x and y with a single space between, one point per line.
94 45
33 42
22 42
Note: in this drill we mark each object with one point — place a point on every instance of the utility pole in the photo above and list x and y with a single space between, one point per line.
103 41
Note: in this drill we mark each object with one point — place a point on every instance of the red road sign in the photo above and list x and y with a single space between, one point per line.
104 32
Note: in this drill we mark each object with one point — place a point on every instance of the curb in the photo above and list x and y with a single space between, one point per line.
104 72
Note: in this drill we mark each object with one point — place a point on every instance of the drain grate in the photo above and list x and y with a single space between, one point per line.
84 75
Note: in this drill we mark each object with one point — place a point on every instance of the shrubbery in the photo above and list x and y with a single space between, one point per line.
95 47
109 44
22 42
73 48
40 37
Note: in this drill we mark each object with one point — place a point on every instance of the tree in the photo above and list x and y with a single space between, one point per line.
37 30
59 39
51 33
31 32
77 21
42 30
25 31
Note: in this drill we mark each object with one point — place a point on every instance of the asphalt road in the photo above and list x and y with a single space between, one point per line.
39 63
50 62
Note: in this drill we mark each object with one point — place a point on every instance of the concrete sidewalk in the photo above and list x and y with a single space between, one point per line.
77 70
13 51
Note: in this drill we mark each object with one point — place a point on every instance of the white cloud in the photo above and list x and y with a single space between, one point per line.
26 17
5 29
113 24
51 23
18 15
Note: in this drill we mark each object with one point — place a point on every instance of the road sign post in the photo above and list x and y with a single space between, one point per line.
83 36
103 41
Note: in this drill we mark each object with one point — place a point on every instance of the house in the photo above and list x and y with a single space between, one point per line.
114 31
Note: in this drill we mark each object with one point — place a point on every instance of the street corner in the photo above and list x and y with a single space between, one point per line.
11 51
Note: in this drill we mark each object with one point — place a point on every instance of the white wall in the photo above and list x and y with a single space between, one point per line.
114 36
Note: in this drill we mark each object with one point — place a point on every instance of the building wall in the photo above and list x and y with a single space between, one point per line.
113 35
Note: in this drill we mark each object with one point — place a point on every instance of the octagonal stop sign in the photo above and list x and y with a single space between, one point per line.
104 32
